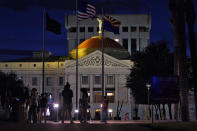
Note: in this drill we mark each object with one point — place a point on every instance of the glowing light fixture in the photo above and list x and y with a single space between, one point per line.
55 105
48 112
117 40
76 111
110 110
110 94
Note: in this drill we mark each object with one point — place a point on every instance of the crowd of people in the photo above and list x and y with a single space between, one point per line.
33 108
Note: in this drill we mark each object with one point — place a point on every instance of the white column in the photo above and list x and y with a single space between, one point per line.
91 88
116 87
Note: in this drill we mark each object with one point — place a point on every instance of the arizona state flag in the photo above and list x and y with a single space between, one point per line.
111 24
52 25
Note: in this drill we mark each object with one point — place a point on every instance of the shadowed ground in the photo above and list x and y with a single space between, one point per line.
97 126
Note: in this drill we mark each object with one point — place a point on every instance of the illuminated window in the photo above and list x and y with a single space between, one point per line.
110 94
97 97
110 80
84 79
133 29
110 97
97 80
34 81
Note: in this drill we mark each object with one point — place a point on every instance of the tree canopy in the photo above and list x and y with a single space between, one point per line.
10 85
155 60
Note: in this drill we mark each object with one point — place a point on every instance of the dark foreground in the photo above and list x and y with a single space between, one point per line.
97 126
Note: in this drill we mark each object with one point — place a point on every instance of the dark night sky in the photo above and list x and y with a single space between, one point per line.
21 23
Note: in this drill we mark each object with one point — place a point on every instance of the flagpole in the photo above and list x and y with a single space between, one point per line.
43 48
77 40
102 58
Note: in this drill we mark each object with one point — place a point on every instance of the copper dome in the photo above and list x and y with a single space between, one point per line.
111 48
96 42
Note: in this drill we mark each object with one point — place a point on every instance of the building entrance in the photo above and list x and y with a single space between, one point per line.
97 114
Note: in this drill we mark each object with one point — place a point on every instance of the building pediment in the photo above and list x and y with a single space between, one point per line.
95 60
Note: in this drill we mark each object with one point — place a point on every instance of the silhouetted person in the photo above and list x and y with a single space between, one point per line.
33 103
83 105
67 94
43 106
25 101
104 109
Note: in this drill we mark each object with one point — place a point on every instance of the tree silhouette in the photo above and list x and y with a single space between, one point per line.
156 60
190 19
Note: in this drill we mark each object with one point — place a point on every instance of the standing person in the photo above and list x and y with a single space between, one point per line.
83 105
25 103
43 106
67 94
39 110
33 103
104 109
126 116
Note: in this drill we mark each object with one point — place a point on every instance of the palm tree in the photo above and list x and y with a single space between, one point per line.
190 19
178 22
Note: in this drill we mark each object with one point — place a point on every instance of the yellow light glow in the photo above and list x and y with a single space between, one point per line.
110 94
117 40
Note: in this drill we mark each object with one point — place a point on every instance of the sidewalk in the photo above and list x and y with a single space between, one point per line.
111 125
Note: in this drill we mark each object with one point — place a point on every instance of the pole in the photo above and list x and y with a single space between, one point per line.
77 55
149 100
139 38
43 50
152 109
102 48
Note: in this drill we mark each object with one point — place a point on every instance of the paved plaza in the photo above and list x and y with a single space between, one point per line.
98 126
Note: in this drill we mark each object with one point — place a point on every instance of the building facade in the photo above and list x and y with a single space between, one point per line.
134 36
134 31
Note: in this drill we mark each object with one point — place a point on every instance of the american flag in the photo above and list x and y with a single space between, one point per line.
85 10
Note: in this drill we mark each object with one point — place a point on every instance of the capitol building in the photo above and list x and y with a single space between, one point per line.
134 36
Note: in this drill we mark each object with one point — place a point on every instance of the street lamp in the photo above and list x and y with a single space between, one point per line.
56 106
76 115
148 87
